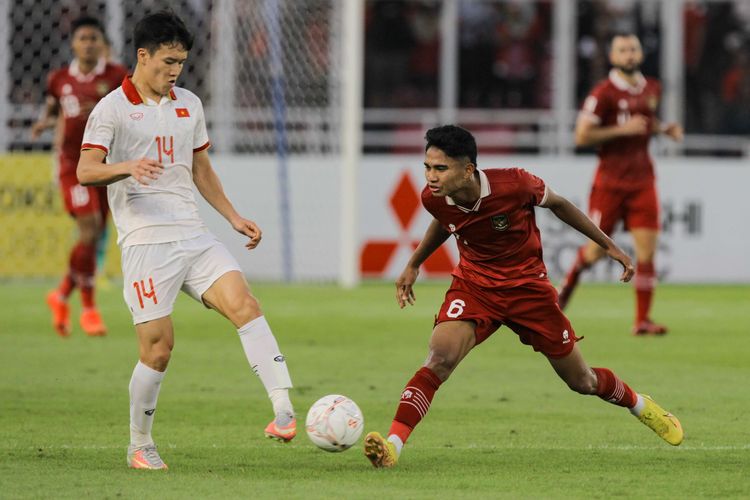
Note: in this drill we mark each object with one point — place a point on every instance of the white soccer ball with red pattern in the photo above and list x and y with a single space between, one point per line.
334 423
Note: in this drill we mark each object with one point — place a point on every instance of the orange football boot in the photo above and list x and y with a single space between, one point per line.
648 327
283 434
60 313
145 457
92 324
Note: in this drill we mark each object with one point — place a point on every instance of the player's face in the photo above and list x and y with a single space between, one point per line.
626 54
446 175
162 67
88 44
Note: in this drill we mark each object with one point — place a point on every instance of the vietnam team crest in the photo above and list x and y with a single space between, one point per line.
102 88
653 102
500 222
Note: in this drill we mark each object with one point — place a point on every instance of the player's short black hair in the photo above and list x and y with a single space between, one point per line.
454 141
623 34
162 28
620 34
89 21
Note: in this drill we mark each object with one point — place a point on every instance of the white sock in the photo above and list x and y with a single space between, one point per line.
267 362
640 404
144 391
282 406
396 442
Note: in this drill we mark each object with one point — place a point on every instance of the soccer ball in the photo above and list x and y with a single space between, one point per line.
334 423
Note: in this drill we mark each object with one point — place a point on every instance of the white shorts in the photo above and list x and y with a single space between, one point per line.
154 274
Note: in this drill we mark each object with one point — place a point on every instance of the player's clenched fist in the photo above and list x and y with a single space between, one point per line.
636 125
249 229
145 170
673 130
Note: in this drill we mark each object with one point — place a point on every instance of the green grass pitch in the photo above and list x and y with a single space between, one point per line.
504 426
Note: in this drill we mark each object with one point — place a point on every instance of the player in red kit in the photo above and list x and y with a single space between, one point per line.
500 280
619 116
72 92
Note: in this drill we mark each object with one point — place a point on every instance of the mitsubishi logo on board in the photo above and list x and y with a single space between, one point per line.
404 203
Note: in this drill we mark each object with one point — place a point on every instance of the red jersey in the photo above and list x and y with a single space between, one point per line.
498 239
78 94
625 161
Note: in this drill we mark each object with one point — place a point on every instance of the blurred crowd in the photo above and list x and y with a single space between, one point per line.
716 43
717 67
40 39
505 54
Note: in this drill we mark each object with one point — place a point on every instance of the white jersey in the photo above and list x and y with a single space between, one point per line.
170 131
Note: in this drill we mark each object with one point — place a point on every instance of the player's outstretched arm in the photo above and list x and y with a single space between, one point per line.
589 133
572 216
672 130
433 238
92 171
210 188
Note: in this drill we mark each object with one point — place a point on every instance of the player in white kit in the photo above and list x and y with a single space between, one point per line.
153 138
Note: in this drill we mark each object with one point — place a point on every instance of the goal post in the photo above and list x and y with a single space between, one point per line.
351 137
299 96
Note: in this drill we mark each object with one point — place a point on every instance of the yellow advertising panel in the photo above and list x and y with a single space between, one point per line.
37 233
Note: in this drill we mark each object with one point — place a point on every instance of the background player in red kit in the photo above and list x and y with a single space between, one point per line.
619 116
500 279
73 91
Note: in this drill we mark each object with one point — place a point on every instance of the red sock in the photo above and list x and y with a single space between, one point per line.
87 297
571 279
66 286
613 390
645 279
83 267
415 401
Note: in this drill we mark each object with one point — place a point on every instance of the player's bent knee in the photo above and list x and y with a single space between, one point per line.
644 257
157 361
89 229
593 253
581 385
88 236
158 356
442 364
243 308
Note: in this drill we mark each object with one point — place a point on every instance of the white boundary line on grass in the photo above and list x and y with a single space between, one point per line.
446 447
603 447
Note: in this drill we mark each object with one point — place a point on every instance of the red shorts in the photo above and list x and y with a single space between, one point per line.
530 309
638 208
83 200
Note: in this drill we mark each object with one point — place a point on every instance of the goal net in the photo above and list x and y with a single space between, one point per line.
268 73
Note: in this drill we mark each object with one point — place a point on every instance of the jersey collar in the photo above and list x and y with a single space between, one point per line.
484 191
132 93
74 70
622 84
